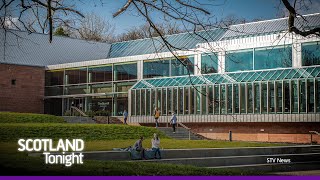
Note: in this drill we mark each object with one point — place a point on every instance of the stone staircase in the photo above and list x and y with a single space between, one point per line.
181 133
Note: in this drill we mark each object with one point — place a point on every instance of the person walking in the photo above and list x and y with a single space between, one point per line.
155 142
173 121
125 114
156 116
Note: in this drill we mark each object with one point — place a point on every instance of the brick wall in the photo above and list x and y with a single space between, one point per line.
28 92
261 132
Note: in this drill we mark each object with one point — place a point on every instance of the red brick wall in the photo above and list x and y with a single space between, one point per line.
28 93
263 132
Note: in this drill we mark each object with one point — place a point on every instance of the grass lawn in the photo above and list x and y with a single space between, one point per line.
174 144
20 164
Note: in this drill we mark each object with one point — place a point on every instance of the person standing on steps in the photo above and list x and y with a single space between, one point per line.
125 114
173 121
156 116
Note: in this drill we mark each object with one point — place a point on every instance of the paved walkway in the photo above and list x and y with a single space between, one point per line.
299 173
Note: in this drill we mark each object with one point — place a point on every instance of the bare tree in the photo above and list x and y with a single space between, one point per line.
95 28
145 31
41 15
293 13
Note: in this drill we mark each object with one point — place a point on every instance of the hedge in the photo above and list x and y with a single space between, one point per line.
13 132
12 117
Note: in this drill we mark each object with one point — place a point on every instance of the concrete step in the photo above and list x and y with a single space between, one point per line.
181 133
242 160
205 152
266 167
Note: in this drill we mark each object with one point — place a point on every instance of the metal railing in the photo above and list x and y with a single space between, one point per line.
311 133
185 127
73 109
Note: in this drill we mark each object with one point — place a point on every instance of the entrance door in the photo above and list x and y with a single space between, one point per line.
77 102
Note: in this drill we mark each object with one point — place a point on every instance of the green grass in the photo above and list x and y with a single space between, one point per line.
15 131
174 144
12 117
20 164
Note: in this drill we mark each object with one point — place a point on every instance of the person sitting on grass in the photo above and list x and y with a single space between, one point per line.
138 147
155 141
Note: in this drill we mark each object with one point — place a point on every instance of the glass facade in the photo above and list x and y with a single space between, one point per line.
239 60
272 57
209 63
291 91
310 54
157 68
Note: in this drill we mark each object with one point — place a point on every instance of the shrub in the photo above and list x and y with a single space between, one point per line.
11 117
13 132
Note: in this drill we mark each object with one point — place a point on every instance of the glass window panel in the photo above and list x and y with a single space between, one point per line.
125 71
294 96
239 60
243 98
123 86
76 76
156 68
286 96
186 100
216 99
271 98
310 54
153 100
192 100
133 103
148 110
179 69
204 99
164 103
257 98
229 99
310 95
143 101
198 99
211 100
273 57
169 97
175 103
54 91
54 78
279 97
159 100
80 89
209 63
180 101
318 96
223 99
264 98
302 96
138 99
100 74
236 98
101 88
250 98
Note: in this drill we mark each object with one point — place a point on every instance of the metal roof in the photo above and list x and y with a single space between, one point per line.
34 49
270 26
228 78
183 41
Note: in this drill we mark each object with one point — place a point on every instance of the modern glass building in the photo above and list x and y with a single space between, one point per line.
253 72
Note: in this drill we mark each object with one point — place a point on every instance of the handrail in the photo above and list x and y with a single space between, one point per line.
185 127
313 132
78 110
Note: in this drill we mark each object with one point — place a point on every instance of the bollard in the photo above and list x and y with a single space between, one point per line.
230 135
